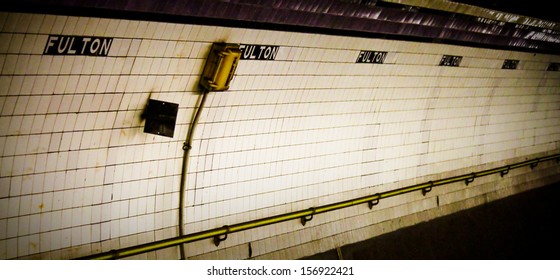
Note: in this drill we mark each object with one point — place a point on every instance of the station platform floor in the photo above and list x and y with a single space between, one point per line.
520 227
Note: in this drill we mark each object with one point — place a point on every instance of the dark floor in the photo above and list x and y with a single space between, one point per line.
520 227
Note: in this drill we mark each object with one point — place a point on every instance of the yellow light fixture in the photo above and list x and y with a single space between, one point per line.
220 66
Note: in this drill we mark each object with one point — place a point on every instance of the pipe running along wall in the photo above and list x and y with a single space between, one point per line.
187 146
220 234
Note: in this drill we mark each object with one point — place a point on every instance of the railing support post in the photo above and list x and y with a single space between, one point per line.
505 172
308 218
427 189
471 179
218 239
372 203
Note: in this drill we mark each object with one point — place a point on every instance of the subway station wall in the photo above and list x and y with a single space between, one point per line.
309 119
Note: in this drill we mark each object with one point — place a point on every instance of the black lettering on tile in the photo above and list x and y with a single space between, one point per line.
259 52
553 66
450 60
371 57
77 45
510 64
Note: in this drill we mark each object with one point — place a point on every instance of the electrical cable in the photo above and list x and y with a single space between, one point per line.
187 146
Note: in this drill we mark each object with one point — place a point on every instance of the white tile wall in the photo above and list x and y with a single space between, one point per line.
311 127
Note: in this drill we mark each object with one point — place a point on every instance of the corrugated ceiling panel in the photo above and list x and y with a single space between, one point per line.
426 21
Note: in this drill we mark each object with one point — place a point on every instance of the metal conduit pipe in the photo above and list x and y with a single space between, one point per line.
220 234
187 146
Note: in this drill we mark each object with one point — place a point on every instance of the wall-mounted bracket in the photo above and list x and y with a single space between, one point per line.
427 189
308 218
218 239
372 203
471 179
505 172
534 164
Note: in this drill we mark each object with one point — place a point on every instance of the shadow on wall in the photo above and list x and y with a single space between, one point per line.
520 227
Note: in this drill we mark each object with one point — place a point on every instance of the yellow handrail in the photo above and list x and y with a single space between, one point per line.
220 234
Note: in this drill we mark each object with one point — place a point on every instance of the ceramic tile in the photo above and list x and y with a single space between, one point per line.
296 129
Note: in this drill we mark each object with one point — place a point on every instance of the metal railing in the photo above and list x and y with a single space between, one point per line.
220 234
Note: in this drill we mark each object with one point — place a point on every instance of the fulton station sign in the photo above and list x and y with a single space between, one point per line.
77 45
258 52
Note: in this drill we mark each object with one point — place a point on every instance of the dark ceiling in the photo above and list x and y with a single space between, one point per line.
363 18
543 9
